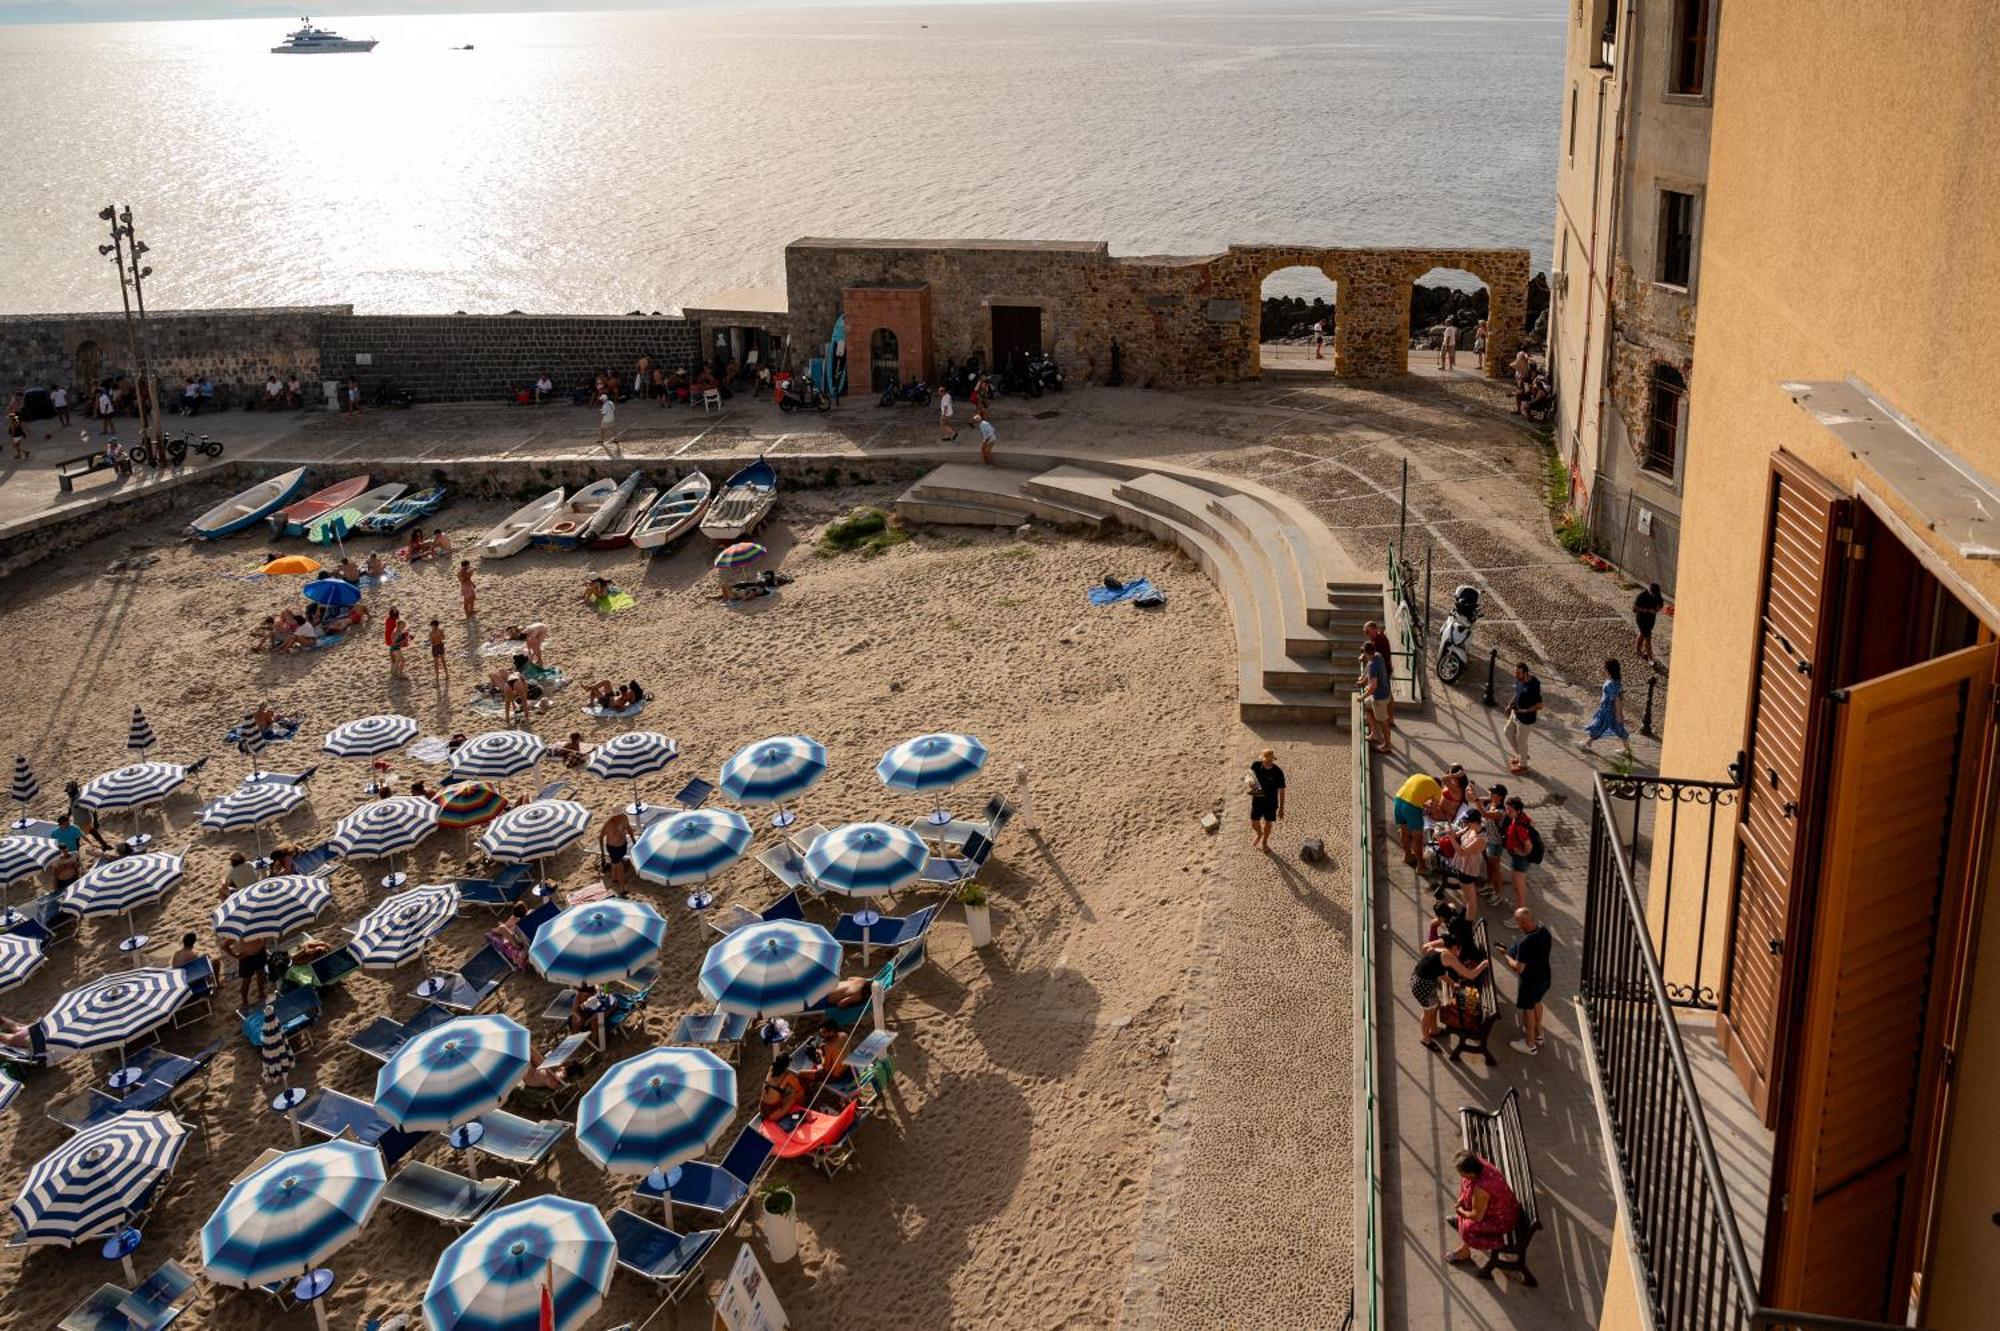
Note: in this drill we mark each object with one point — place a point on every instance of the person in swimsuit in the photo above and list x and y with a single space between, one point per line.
615 835
440 668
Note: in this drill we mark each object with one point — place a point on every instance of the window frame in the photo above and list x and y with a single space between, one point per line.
1650 457
1708 9
1661 248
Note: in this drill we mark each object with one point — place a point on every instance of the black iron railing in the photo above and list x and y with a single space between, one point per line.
1672 833
1680 1222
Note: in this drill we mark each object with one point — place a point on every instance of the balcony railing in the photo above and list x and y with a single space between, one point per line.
1680 1222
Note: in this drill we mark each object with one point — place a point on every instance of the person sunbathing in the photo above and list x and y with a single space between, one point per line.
571 750
539 1078
583 1010
598 589
26 1038
376 569
509 939
616 697
348 571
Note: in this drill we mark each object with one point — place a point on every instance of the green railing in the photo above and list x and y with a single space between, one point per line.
1409 624
1365 1307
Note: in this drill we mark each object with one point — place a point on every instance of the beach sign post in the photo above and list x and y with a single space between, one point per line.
747 1301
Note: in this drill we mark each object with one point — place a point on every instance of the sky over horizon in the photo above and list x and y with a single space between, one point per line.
128 11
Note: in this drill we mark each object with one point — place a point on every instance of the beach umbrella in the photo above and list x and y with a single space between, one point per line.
469 804
140 737
288 1217
252 804
379 830
96 1181
24 856
493 1276
274 1050
291 564
334 593
657 1110
535 831
931 762
739 554
866 859
689 846
20 956
113 1010
272 907
370 736
497 754
121 886
774 770
598 942
452 1073
130 787
24 791
397 930
771 969
631 756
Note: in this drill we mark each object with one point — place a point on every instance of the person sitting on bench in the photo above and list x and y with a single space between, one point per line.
1487 1209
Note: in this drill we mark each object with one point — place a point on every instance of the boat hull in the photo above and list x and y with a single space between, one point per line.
619 535
257 503
746 499
653 535
510 537
570 525
393 517
327 48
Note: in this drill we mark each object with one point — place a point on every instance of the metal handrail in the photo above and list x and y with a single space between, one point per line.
1364 1307
1408 630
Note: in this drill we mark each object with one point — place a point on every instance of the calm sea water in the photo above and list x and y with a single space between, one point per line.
613 161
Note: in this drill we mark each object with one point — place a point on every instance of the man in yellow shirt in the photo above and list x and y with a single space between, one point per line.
1411 797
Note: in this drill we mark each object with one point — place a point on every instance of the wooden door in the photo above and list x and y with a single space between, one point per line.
1808 524
1854 1146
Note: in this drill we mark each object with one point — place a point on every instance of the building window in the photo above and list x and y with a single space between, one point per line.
1664 401
1689 76
1605 54
1676 265
1572 122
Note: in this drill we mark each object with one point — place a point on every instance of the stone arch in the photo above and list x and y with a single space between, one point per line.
1255 312
1505 274
885 361
1258 263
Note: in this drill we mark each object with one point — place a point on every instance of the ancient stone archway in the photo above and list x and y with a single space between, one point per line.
1506 301
1255 312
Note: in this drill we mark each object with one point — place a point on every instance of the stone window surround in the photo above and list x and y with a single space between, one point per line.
1706 97
1667 482
1694 189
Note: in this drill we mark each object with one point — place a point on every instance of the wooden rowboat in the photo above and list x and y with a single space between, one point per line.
677 513
510 536
746 500
246 510
291 520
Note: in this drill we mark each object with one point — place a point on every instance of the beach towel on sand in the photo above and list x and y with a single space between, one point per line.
612 604
430 749
369 582
504 647
284 728
1140 590
608 714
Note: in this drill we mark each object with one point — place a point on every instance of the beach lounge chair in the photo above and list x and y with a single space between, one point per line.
694 794
532 922
332 967
382 1037
716 1189
657 1253
956 833
467 988
784 864
827 1140
722 1032
201 991
734 917
45 919
498 893
955 871
554 790
889 931
147 1308
520 1141
329 1113
442 1195
296 1011
282 778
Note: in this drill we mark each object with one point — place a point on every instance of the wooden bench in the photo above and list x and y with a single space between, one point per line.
82 465
1477 1037
1496 1136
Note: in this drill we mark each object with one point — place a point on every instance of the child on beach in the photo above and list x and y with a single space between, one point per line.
466 592
440 668
396 638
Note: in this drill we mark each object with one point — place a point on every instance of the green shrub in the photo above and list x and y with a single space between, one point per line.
866 529
1573 534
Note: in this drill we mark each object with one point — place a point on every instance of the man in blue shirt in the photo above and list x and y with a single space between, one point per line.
67 834
1378 692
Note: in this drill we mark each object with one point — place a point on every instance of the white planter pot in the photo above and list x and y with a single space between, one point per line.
781 1234
979 923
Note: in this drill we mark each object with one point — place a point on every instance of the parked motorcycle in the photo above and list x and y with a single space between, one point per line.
802 394
916 392
388 395
1017 378
1044 371
1456 633
173 451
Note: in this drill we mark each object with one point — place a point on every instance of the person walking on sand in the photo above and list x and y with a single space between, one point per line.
1522 712
946 430
466 592
1267 798
607 418
1379 694
440 668
1528 957
1448 348
1646 607
396 638
615 836
987 437
1609 718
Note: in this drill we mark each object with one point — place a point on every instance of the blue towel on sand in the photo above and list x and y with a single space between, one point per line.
1131 591
277 733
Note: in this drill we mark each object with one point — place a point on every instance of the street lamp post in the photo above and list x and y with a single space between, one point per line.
152 430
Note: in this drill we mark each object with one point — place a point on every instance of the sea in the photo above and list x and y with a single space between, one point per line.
641 160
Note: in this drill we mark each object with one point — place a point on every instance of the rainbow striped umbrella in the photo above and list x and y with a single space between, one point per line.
739 554
469 804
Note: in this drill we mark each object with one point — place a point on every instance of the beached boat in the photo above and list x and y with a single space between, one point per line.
675 515
246 510
614 511
291 520
346 520
510 536
617 535
746 500
566 527
393 517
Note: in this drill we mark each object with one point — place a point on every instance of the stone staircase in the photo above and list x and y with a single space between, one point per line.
1297 602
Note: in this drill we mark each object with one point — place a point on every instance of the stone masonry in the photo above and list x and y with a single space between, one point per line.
472 358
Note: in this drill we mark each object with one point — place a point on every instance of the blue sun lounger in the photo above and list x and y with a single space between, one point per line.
382 1037
497 893
443 1195
467 988
715 1189
657 1253
520 1141
147 1308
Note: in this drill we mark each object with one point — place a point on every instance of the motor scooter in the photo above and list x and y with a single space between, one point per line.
802 394
1456 633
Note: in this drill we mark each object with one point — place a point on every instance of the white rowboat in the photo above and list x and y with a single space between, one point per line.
510 537
675 515
563 528
746 500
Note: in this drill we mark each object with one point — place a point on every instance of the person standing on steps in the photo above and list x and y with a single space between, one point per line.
1379 696
1646 607
1267 798
987 437
1528 958
1609 718
1522 712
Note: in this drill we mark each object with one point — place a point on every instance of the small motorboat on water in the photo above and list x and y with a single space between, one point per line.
291 520
397 514
746 500
616 535
346 520
675 515
246 510
569 525
309 40
510 535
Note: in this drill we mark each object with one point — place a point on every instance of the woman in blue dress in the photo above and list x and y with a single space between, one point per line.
1608 719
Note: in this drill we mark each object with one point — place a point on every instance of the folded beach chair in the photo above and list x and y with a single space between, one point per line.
954 834
694 794
443 1195
716 1189
147 1308
786 907
201 990
889 931
330 1113
468 987
520 1141
498 893
657 1253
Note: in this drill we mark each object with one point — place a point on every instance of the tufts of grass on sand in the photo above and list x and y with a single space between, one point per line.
866 529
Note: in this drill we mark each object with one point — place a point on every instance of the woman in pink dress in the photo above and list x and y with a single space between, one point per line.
1487 1209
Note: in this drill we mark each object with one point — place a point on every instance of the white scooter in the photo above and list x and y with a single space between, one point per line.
1456 632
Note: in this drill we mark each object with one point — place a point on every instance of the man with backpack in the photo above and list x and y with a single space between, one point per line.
1522 845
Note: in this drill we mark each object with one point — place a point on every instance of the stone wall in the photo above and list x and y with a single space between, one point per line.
226 345
468 358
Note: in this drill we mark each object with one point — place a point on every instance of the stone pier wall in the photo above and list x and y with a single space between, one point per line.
479 358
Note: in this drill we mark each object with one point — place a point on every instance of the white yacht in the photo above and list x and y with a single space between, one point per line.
309 40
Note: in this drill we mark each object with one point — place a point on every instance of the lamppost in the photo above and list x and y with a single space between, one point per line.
140 347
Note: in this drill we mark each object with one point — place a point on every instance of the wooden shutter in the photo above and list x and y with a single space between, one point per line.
1804 549
1903 781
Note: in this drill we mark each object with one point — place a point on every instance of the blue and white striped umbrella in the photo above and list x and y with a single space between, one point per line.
497 754
452 1073
131 787
491 1278
379 830
866 859
931 762
24 856
534 831
598 942
25 790
689 846
656 1110
290 1216
96 1181
634 754
20 956
119 887
774 770
396 931
252 804
370 736
113 1010
140 736
273 907
771 969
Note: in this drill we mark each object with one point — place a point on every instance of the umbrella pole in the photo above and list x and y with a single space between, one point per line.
319 1313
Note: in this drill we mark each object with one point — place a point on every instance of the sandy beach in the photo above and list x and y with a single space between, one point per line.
1004 1187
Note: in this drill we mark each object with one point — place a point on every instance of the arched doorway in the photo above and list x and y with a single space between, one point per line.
1448 307
885 362
86 366
1295 327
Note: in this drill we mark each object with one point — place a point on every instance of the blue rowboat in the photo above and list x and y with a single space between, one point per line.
246 510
